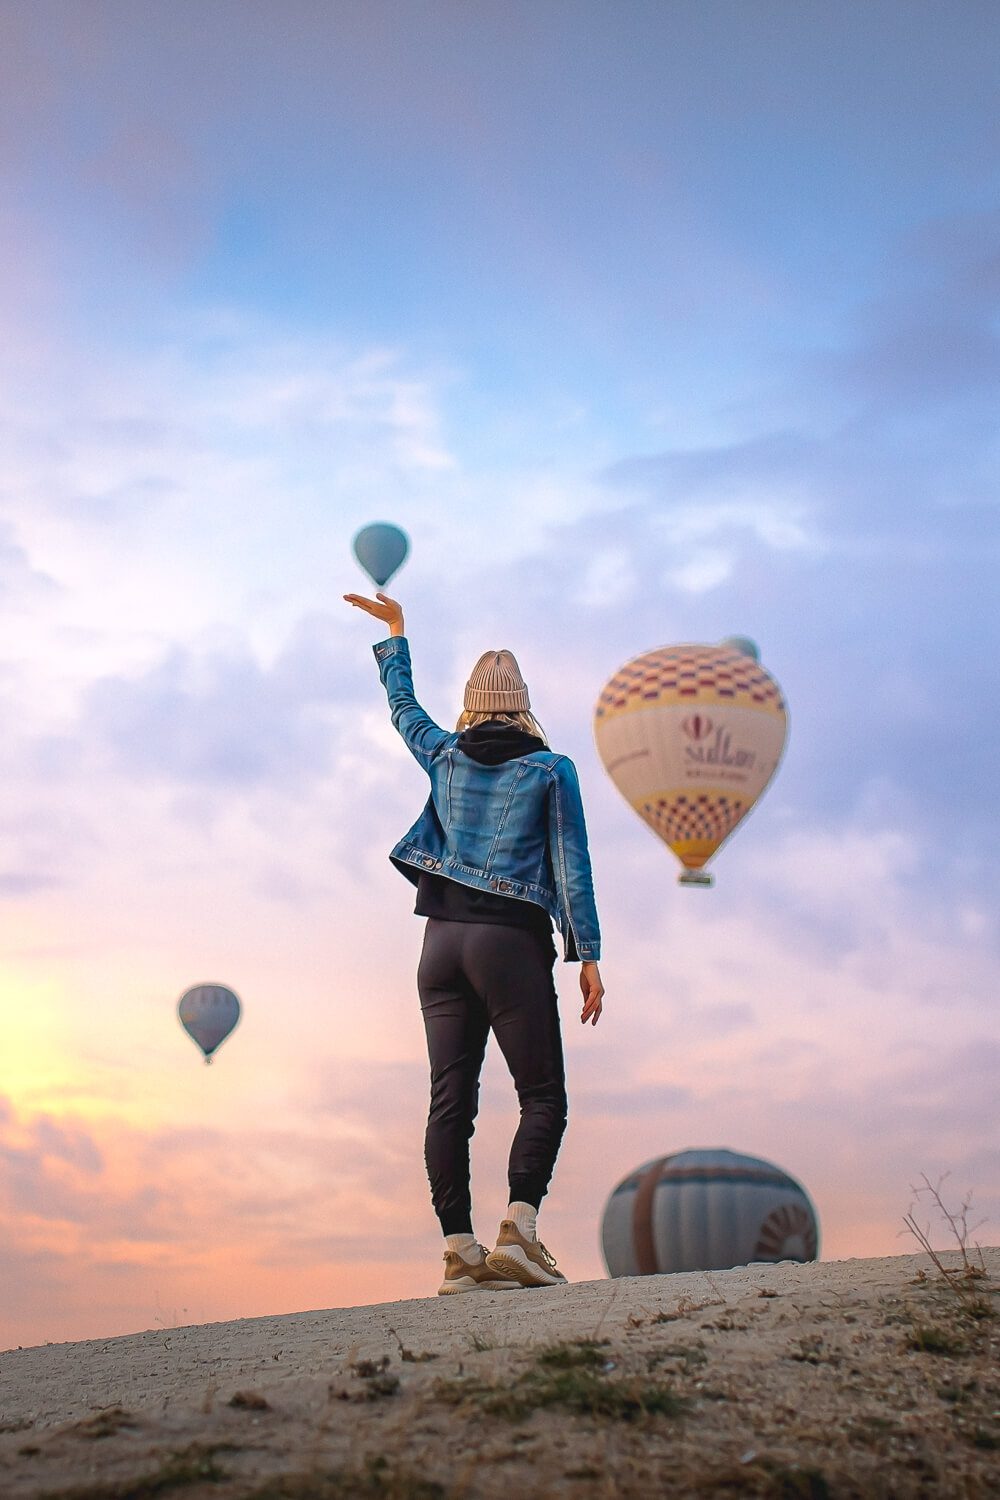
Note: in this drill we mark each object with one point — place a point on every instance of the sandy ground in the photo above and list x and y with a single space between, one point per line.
847 1378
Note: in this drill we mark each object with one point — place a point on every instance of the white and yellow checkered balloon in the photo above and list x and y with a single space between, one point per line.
691 735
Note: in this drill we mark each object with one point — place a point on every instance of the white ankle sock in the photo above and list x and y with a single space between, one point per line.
524 1216
467 1246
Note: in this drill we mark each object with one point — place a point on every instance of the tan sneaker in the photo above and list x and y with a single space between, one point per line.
461 1275
527 1260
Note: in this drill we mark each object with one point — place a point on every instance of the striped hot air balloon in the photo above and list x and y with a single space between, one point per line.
706 1211
691 736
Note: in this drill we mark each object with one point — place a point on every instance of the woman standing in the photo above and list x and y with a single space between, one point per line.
498 852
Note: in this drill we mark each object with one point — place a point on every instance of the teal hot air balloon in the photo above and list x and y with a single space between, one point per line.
744 645
381 550
208 1013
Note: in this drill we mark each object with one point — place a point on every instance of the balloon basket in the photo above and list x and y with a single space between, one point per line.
696 878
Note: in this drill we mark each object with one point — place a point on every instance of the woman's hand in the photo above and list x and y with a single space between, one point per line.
383 608
593 992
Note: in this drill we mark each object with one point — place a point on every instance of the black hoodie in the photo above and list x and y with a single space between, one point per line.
489 744
493 742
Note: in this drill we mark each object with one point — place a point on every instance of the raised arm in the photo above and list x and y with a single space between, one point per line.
422 737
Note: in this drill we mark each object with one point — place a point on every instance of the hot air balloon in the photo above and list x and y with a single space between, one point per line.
691 736
706 1211
208 1013
381 549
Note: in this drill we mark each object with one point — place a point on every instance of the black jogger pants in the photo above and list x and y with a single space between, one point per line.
475 977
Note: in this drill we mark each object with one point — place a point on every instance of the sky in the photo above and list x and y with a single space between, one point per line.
649 323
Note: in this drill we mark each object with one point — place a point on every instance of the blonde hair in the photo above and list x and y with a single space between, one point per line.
517 719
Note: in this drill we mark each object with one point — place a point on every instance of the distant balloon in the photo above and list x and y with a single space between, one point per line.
208 1013
691 736
381 549
744 644
706 1211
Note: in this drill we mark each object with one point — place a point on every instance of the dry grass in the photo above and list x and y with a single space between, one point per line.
965 1281
196 1465
197 1468
375 1480
577 1376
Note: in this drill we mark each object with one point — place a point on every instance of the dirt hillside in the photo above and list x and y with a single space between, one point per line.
847 1378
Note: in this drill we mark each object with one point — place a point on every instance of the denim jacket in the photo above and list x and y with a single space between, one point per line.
516 829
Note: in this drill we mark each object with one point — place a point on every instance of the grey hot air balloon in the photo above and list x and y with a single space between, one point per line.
706 1211
208 1013
381 549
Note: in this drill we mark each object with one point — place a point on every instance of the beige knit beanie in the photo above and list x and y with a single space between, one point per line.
496 685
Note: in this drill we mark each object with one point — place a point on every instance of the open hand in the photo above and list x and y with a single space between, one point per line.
593 993
382 607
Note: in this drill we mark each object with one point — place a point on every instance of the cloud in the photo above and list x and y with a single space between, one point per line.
69 1144
105 1188
220 717
893 435
619 1104
45 831
25 882
227 411
17 575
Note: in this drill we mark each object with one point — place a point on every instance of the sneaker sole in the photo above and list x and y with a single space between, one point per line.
466 1284
512 1261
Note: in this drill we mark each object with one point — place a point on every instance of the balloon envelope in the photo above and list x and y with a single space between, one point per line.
381 549
745 644
706 1211
691 736
208 1013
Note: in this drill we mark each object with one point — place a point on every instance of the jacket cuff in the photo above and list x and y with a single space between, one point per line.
390 647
